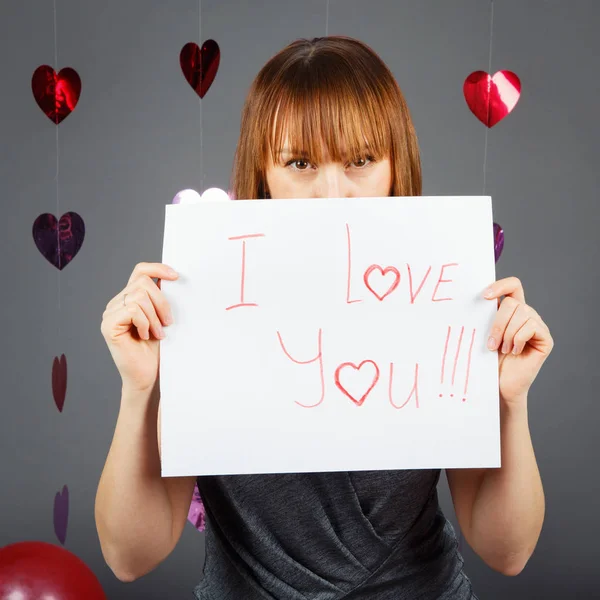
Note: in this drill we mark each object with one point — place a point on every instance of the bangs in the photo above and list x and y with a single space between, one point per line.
326 112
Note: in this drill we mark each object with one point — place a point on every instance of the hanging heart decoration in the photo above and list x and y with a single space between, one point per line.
59 241
56 94
491 98
498 241
61 514
196 512
200 66
59 381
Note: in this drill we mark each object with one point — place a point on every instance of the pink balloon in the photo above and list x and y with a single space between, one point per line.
215 194
186 197
193 197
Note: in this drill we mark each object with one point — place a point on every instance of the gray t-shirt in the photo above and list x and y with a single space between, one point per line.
376 535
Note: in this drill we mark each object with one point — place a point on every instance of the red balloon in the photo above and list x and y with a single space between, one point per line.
34 570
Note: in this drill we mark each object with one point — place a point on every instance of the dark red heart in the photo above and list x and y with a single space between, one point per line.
59 380
56 94
492 98
61 514
59 241
498 241
200 66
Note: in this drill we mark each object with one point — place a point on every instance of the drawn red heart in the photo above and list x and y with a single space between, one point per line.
383 272
200 66
56 94
59 381
491 98
356 368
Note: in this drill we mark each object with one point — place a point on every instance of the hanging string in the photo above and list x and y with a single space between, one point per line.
57 160
488 97
460 536
200 99
327 20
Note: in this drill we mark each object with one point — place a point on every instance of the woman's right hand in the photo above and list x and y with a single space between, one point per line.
132 330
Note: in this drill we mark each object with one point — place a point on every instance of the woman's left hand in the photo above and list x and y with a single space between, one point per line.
521 337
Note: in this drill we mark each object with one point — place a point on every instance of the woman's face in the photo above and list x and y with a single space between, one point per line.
298 177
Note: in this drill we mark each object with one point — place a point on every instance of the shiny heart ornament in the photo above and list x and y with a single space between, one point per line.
56 94
59 241
59 381
61 514
498 241
197 513
200 66
491 98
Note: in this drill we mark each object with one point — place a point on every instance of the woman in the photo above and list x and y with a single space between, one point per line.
323 118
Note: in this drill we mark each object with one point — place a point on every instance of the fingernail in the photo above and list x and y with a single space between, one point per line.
161 332
514 350
504 348
172 272
491 343
488 293
169 319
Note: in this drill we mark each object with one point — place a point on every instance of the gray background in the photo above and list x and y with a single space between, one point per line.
134 141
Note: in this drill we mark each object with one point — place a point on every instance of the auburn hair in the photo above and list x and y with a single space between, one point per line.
332 94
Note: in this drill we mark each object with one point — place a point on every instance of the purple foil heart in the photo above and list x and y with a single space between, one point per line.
59 241
59 380
196 514
498 241
61 514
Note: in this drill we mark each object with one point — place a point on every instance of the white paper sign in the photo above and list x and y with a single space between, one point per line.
329 335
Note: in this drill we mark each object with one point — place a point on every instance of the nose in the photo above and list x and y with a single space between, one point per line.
332 182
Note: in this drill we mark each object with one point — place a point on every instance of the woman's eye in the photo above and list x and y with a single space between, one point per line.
301 164
296 161
365 161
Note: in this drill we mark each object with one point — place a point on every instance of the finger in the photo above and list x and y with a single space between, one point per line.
536 335
160 302
509 286
141 297
159 270
117 322
519 317
139 319
505 312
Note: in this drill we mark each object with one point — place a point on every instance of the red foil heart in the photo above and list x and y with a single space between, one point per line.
200 66
59 241
56 94
491 98
59 381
